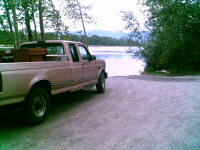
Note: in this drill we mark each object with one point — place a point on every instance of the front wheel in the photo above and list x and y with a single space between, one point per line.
37 106
101 85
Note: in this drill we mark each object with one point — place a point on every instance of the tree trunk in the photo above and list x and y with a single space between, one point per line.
35 27
28 25
83 24
9 22
41 20
17 38
33 17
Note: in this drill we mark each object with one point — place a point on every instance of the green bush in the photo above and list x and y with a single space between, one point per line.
174 43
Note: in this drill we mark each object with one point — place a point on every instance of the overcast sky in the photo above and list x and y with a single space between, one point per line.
108 14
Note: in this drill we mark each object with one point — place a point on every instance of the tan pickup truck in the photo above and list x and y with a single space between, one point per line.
61 66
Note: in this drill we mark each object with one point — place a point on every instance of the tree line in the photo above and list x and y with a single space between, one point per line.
91 40
174 41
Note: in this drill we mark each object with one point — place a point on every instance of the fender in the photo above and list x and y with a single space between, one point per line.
45 83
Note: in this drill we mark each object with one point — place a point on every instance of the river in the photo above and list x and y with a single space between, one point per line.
118 61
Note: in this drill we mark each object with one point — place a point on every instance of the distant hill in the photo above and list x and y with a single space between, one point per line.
116 34
103 33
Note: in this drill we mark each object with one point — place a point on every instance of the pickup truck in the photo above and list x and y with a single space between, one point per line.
62 66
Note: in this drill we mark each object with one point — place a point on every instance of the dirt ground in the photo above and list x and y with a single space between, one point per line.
135 113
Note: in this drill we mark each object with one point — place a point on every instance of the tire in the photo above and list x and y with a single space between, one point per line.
37 106
101 85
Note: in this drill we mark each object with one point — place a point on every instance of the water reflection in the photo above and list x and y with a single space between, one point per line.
119 63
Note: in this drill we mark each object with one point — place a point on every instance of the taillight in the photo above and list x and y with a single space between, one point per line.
1 83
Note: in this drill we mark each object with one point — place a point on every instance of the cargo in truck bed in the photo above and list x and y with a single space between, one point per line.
23 55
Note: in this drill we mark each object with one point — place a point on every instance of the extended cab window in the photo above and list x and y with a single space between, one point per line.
84 53
74 52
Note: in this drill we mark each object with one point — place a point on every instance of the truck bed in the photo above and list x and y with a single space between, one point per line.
31 65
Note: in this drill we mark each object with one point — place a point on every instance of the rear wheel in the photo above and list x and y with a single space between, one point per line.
37 106
101 85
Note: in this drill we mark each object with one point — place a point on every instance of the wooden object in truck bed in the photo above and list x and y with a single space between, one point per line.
20 55
24 55
37 54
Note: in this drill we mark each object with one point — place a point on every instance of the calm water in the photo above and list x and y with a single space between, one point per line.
118 62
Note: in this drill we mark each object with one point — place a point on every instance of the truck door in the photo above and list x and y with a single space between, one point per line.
77 69
90 69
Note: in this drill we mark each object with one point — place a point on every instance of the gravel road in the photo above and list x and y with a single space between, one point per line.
135 113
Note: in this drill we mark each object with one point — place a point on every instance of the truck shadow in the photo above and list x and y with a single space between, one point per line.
67 101
12 117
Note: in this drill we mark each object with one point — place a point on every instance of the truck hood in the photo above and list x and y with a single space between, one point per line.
100 62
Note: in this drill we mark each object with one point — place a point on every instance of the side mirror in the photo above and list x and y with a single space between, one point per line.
94 57
91 57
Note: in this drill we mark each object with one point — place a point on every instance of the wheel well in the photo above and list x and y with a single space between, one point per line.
42 84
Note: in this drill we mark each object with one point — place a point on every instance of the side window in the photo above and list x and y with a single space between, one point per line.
74 52
84 53
55 50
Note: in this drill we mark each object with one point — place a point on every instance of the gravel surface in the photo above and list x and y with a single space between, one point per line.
135 113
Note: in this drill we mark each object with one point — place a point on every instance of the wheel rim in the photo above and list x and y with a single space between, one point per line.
39 106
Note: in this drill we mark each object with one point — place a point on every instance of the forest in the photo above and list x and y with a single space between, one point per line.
174 43
174 40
